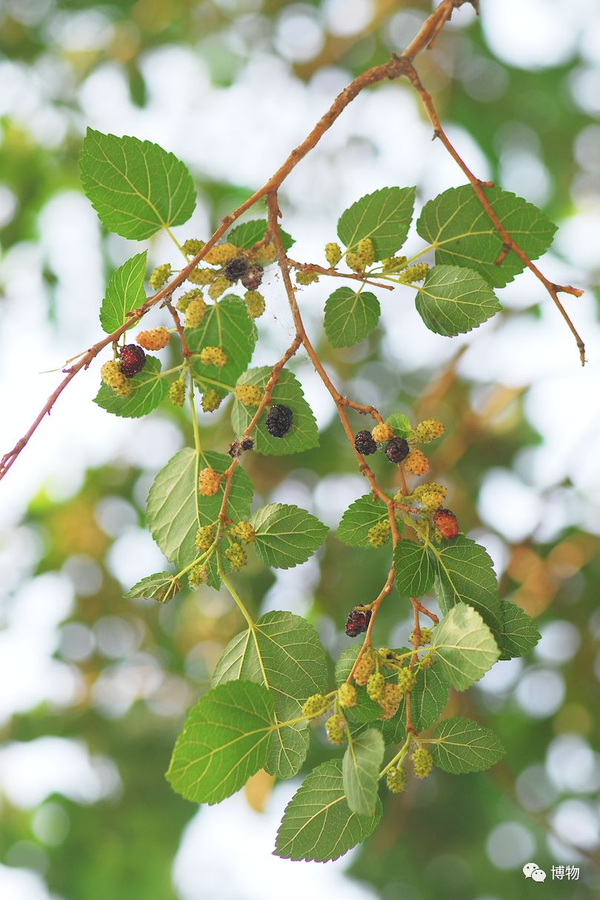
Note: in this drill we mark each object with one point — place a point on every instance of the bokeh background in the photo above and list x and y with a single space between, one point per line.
93 688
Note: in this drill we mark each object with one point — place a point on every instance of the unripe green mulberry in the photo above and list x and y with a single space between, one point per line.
236 556
177 392
390 701
185 299
416 463
202 276
413 273
334 727
364 668
198 575
347 695
160 275
396 780
306 277
265 255
205 537
382 432
378 534
376 686
218 287
427 660
221 254
255 304
366 252
213 356
113 377
208 482
425 635
422 761
393 264
428 430
354 261
333 253
248 394
192 246
243 531
406 680
195 312
210 400
315 705
431 496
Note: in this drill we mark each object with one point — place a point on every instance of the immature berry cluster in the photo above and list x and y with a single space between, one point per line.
248 394
177 392
422 761
211 400
160 276
255 304
236 555
425 636
213 356
154 338
208 482
347 695
243 531
113 377
335 727
379 533
396 779
315 705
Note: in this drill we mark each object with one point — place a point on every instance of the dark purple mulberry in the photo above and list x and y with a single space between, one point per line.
235 268
397 449
133 359
252 277
364 443
358 622
279 420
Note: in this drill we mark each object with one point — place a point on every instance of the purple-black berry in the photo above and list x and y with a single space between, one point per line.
132 360
279 420
235 268
364 443
397 449
357 622
252 277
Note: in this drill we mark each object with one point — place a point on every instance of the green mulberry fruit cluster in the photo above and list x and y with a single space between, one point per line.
213 356
113 377
205 537
396 780
160 276
195 312
364 668
218 287
333 253
177 392
236 556
376 686
406 680
335 727
390 702
315 705
210 400
379 533
255 304
382 432
422 761
202 276
394 264
428 430
425 635
346 695
413 273
198 575
192 246
243 531
303 277
248 394
431 496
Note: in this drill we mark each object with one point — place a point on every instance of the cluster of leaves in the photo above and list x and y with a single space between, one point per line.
254 715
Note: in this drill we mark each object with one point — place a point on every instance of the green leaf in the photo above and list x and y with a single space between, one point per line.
360 771
317 823
463 746
400 424
247 234
288 391
465 575
350 316
224 741
286 535
414 569
383 216
283 652
226 325
464 646
149 390
454 300
174 518
457 225
135 186
124 291
428 700
162 587
519 635
360 516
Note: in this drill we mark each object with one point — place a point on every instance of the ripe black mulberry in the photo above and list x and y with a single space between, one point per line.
397 449
133 359
279 420
358 622
364 443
